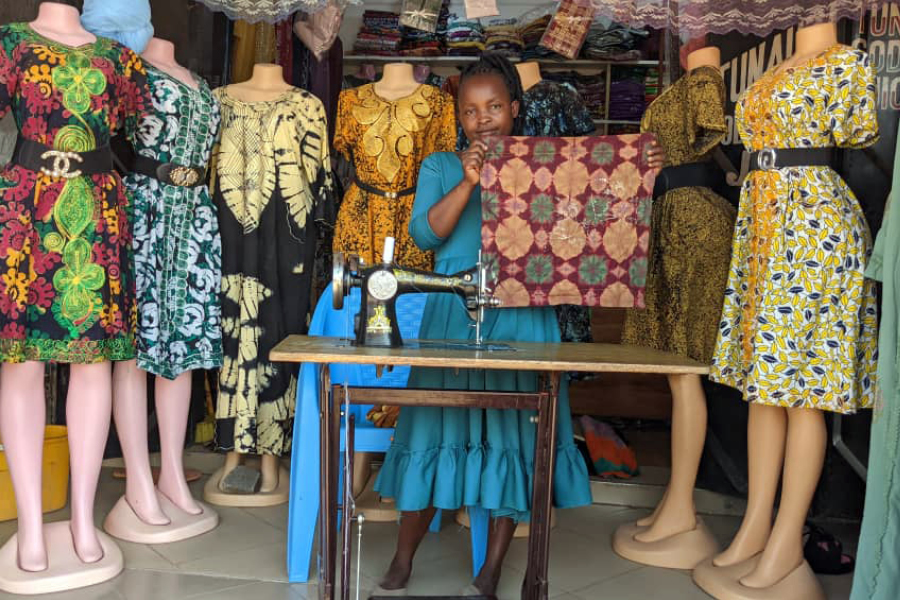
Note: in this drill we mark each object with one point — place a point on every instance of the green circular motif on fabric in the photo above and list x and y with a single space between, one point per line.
593 270
54 242
539 269
637 272
74 209
490 205
644 209
72 138
78 81
542 208
603 153
544 153
596 211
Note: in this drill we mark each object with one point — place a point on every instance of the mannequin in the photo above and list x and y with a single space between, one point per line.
530 74
397 81
784 443
140 516
672 536
69 554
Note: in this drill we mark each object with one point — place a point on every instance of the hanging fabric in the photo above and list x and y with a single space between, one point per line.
318 31
270 11
761 17
126 21
253 43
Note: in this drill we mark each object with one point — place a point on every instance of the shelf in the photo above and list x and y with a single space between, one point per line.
464 60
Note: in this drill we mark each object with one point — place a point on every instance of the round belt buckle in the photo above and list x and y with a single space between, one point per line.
766 159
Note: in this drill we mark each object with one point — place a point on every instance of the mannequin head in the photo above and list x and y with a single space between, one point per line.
689 47
490 98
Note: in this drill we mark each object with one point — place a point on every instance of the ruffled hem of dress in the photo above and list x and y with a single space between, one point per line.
67 351
169 371
497 479
262 16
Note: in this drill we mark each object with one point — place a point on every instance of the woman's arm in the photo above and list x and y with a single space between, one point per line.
444 214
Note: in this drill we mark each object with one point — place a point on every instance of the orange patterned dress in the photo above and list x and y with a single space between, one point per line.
799 324
386 141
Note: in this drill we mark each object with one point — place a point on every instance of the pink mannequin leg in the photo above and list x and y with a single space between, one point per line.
130 412
22 416
173 401
88 409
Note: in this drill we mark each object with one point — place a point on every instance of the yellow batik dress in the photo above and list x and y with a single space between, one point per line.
386 141
799 324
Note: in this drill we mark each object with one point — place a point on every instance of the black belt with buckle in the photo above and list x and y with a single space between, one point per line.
700 174
374 190
61 164
169 173
770 159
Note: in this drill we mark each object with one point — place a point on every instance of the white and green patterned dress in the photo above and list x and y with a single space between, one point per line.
178 251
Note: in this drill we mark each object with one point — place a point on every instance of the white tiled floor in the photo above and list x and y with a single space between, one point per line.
244 558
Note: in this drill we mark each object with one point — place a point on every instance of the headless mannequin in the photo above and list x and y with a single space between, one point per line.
397 81
265 84
783 443
173 397
22 412
530 74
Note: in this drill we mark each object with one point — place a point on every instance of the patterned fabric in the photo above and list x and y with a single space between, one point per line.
569 27
476 9
566 220
272 171
270 11
760 17
177 249
421 14
691 228
799 322
67 287
387 141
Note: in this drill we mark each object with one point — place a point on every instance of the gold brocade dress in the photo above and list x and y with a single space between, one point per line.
691 227
799 323
386 141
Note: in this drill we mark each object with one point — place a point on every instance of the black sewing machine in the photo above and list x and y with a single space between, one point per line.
376 323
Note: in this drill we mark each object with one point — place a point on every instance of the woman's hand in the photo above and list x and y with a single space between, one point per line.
472 160
656 156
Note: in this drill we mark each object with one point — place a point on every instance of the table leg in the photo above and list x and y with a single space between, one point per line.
347 504
536 585
327 499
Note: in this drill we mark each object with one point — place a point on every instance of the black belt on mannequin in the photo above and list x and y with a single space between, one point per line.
169 173
770 159
702 174
61 164
385 194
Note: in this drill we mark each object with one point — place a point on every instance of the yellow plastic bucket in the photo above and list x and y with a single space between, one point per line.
55 484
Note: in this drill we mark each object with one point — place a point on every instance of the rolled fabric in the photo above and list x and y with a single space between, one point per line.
126 21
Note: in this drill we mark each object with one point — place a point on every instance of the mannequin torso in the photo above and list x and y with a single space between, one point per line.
809 43
266 83
530 74
61 23
397 81
704 57
161 54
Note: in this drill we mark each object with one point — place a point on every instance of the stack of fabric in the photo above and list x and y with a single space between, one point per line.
591 88
502 37
651 86
417 42
612 42
379 34
627 97
464 37
532 32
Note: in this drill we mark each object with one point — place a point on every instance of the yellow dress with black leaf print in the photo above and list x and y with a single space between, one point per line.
799 323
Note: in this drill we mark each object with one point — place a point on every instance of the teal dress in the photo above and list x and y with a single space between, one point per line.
453 457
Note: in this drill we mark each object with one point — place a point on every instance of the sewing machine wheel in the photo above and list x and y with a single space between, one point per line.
340 276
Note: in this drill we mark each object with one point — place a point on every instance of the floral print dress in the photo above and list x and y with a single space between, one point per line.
178 252
67 286
799 325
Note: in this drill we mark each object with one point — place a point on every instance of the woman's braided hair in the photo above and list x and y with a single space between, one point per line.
497 64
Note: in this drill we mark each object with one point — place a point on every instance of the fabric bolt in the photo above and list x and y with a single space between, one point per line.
877 573
126 21
421 14
477 9
691 227
271 176
569 27
386 141
566 220
799 322
453 457
67 289
177 248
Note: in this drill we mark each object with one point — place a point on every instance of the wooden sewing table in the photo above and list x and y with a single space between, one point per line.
550 360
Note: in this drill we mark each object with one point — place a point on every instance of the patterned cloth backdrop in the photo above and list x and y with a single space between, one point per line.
569 27
567 220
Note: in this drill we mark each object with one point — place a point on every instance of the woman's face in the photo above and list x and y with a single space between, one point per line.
485 107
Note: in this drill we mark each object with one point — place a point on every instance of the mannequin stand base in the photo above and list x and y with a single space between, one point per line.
213 495
65 571
123 523
372 506
724 583
522 529
681 551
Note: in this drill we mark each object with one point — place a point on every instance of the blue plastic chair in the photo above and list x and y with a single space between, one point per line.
304 497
